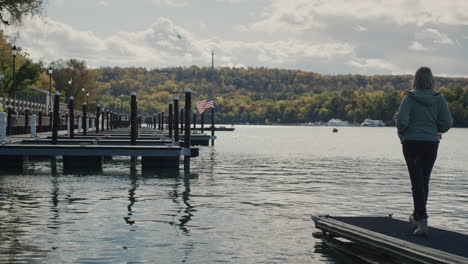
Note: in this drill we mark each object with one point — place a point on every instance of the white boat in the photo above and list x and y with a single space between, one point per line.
372 123
337 122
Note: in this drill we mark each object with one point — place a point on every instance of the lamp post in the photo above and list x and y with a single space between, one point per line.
70 81
50 86
87 97
83 90
3 89
121 101
13 53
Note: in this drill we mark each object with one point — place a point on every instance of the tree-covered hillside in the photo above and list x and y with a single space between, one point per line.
260 95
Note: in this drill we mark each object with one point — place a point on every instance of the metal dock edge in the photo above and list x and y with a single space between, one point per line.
385 243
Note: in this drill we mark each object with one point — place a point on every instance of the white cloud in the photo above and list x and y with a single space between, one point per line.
293 15
160 46
174 3
416 46
371 63
436 36
104 3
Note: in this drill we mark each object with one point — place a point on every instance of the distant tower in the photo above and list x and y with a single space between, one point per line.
212 59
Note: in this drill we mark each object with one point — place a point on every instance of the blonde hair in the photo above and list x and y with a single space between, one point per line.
423 79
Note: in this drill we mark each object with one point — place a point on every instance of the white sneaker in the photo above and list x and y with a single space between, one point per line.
422 229
413 222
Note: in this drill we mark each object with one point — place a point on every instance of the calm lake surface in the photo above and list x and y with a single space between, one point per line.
248 199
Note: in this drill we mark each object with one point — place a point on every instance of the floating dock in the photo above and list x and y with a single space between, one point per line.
394 237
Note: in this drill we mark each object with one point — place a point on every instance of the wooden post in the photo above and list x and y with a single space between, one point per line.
202 121
182 120
32 124
188 106
51 120
194 120
84 119
133 118
212 125
107 120
72 116
103 111
98 113
169 120
9 120
26 120
162 120
176 119
3 126
39 127
56 118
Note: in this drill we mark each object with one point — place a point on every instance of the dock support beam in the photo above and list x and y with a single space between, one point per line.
133 118
169 120
188 106
212 125
98 113
84 119
26 120
56 118
3 126
72 116
176 119
9 120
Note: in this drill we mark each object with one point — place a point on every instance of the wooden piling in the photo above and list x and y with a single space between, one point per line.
9 120
169 120
133 118
176 119
194 120
39 128
84 119
71 111
182 115
56 118
26 120
107 119
98 113
202 121
212 125
188 106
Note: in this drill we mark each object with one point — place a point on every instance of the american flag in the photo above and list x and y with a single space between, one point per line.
201 106
209 104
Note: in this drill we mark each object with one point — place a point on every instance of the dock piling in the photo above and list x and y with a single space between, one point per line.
56 118
182 115
212 126
188 106
9 120
169 120
26 120
33 125
84 119
176 119
71 116
133 119
3 126
98 113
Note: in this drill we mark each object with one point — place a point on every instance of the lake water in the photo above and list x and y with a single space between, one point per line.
248 199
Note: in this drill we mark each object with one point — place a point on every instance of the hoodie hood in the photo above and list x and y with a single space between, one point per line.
425 97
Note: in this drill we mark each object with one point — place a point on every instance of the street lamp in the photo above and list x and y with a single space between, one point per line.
13 53
3 89
50 86
121 101
87 97
83 90
69 87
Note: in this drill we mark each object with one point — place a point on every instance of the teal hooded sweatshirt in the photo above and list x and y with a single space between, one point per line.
423 114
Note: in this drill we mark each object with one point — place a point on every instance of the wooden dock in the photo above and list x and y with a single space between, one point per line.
394 237
88 147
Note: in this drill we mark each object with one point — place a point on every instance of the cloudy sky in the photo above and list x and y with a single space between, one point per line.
324 36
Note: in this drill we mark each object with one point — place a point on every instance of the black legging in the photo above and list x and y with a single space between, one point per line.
420 157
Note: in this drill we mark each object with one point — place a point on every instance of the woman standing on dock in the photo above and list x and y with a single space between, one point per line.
423 113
